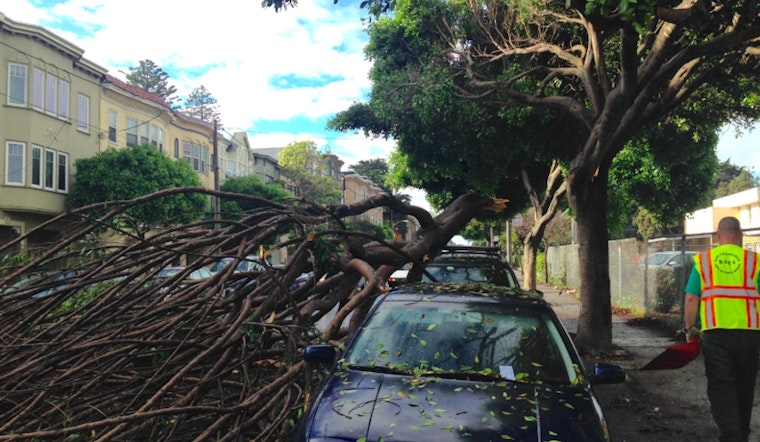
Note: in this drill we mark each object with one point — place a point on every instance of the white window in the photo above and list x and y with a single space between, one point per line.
36 166
14 163
187 151
49 169
131 132
144 140
112 119
17 84
160 139
196 155
157 137
83 113
63 99
63 172
231 168
38 88
51 88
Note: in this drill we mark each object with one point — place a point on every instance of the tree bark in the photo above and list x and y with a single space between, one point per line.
589 203
530 246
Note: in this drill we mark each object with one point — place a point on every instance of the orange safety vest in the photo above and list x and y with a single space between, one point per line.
729 297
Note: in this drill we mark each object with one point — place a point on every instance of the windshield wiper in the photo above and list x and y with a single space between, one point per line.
380 369
466 375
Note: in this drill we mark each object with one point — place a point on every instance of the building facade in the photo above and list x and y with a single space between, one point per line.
235 157
48 120
745 206
58 107
357 188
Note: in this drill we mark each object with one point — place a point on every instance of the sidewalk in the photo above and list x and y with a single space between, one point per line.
637 343
650 405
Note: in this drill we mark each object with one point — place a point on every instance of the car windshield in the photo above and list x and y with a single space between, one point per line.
515 344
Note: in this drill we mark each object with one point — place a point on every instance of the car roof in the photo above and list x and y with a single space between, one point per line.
472 254
457 292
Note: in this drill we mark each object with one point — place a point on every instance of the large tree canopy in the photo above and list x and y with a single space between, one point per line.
151 78
123 174
251 185
305 169
201 104
617 69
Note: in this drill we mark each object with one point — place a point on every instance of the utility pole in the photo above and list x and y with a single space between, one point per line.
217 207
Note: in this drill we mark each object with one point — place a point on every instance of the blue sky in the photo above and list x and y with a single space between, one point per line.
277 76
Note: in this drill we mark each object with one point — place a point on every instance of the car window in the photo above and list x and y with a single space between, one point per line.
472 272
518 344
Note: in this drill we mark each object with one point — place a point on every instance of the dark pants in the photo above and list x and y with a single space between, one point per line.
731 362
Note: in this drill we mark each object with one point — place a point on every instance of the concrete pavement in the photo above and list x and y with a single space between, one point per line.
635 344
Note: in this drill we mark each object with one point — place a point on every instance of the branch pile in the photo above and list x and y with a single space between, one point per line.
95 346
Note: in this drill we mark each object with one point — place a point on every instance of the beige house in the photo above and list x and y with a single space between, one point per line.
48 120
266 167
357 188
745 206
235 156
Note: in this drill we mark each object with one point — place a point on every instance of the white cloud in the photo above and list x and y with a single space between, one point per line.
238 50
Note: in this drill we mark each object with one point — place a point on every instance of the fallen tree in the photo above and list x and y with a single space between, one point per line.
95 346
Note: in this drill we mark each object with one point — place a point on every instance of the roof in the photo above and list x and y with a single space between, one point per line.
136 91
486 291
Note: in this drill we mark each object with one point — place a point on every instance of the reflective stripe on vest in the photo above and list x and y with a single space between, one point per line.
726 303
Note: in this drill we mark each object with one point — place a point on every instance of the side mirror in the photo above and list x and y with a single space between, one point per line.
319 354
607 374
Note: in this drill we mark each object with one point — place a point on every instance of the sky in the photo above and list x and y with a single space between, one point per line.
277 76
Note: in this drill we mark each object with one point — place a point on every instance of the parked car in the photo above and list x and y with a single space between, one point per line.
250 263
471 265
452 362
668 260
465 264
168 272
398 277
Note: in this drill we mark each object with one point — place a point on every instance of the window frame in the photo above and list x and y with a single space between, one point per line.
9 162
49 169
37 167
38 89
131 131
13 99
83 113
113 121
51 94
64 92
62 168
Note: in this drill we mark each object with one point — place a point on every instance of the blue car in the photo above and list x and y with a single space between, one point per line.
451 362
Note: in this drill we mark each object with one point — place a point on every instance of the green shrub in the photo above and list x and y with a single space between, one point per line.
667 290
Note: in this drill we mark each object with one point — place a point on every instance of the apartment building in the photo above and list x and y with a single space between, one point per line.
357 188
49 118
744 205
59 107
266 167
235 157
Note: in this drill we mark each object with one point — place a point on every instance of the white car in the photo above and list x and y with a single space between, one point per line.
668 260
398 277
250 263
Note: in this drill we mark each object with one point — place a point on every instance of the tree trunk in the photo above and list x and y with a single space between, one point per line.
530 244
588 200
543 211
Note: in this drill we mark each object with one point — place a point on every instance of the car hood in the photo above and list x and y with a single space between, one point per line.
356 404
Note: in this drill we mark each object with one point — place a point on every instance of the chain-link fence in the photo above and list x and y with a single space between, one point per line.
646 277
